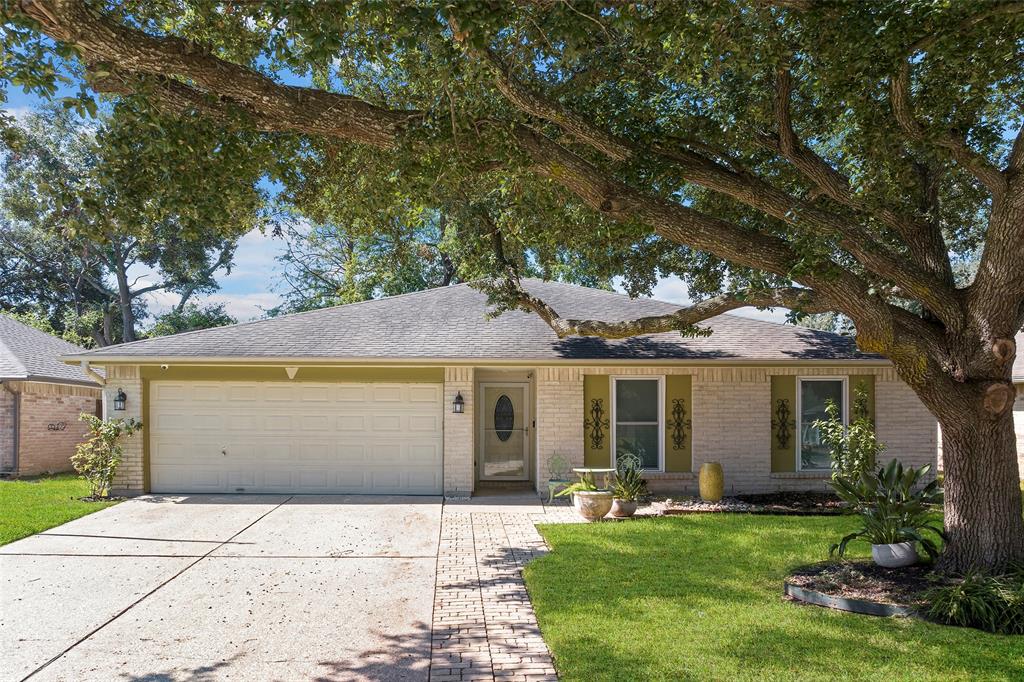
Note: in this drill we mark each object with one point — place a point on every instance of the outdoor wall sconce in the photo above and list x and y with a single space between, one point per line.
459 404
119 400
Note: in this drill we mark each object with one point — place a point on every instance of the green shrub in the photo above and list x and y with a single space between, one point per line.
994 603
890 508
96 460
585 484
853 449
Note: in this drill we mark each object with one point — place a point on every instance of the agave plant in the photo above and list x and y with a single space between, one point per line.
892 507
629 484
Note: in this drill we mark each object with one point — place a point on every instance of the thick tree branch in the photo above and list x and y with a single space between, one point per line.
99 38
934 292
922 237
1016 162
804 300
954 144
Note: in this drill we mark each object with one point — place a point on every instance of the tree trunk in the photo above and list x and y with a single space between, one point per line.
124 300
982 493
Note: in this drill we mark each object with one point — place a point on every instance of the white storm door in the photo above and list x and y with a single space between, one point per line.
504 453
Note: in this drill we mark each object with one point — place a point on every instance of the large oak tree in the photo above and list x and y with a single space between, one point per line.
823 156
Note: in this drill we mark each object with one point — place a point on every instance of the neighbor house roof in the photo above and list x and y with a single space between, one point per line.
28 354
451 323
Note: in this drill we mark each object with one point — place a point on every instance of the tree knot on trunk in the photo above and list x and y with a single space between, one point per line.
998 398
1004 350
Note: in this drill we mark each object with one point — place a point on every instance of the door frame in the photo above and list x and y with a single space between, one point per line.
528 448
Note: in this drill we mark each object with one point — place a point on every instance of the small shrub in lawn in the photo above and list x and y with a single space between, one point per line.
96 460
994 603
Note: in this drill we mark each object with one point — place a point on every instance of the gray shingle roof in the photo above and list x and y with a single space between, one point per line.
29 354
451 323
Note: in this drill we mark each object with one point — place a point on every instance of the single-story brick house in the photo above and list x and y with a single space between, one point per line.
422 393
41 399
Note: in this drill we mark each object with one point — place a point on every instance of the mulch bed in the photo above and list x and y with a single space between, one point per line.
90 498
865 580
781 503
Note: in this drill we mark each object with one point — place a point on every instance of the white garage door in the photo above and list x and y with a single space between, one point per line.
299 437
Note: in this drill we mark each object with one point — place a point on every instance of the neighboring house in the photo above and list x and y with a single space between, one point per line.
41 399
421 393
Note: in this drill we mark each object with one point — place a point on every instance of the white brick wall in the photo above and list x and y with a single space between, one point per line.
130 478
459 433
559 419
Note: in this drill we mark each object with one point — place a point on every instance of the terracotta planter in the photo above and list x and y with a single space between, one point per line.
896 555
592 505
711 481
623 509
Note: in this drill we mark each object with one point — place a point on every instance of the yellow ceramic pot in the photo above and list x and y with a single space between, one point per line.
712 482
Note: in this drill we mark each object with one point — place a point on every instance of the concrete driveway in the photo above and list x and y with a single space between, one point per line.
253 587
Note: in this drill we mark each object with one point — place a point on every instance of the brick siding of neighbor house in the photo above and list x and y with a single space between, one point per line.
732 423
459 462
6 430
131 475
49 427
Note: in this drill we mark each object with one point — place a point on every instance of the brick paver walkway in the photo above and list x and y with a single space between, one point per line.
484 627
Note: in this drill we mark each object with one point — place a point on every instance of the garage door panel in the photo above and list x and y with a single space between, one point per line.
355 393
300 437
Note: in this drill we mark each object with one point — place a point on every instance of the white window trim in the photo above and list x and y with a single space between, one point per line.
661 416
800 415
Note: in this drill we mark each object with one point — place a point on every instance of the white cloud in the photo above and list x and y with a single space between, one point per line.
244 307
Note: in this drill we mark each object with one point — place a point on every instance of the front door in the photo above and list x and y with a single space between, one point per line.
504 432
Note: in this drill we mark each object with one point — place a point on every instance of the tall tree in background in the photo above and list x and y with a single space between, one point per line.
80 204
819 155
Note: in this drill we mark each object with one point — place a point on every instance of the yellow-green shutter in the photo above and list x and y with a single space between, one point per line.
678 422
867 382
597 433
784 435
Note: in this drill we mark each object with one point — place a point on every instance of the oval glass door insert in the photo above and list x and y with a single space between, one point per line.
504 418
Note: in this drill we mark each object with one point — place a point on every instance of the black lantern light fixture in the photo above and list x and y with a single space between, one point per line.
119 400
459 404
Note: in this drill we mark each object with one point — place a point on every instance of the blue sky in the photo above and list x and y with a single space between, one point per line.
253 284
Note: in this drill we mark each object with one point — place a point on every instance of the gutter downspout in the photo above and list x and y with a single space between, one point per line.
93 374
15 431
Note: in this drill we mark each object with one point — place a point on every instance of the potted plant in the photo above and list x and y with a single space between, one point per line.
591 502
894 516
629 486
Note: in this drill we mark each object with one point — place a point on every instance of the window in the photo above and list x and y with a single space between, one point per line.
814 395
638 415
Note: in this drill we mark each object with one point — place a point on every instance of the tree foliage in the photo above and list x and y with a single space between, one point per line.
190 317
84 205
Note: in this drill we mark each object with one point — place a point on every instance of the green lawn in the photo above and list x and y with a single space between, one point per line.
32 505
699 597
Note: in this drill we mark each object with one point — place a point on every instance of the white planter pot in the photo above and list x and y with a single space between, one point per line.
896 555
623 509
592 505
